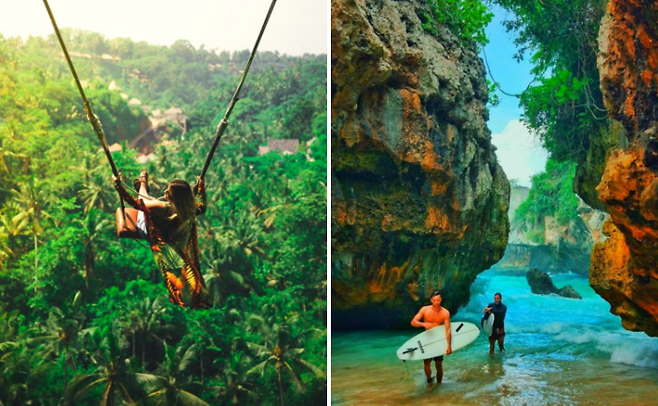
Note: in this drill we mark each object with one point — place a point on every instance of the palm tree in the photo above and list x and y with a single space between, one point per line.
96 229
33 198
12 225
62 330
239 387
89 164
21 367
97 192
282 349
145 321
170 384
227 261
7 158
165 160
113 371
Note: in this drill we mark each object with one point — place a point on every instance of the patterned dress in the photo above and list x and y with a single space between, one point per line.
176 252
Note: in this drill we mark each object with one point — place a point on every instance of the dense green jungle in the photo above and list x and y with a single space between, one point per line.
84 316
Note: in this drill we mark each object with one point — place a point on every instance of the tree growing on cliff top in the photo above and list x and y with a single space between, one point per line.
466 19
566 106
551 196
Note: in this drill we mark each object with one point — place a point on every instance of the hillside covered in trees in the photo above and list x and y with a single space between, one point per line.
84 316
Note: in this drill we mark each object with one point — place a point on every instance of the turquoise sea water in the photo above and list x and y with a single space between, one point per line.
559 352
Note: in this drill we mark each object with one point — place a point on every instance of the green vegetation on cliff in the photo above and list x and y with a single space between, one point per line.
466 19
551 195
262 240
565 107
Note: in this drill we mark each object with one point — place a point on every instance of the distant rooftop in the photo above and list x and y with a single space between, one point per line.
286 146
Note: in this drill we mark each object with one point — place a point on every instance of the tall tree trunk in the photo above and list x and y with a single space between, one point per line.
110 396
89 264
36 257
278 370
66 370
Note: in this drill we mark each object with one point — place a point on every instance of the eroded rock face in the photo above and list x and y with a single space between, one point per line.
551 245
542 284
418 200
624 268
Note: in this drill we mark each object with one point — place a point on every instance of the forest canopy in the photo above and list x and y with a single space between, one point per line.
84 315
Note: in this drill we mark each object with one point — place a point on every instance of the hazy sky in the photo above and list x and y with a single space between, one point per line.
519 152
296 26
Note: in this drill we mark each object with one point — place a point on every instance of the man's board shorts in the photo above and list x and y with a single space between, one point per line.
497 333
439 358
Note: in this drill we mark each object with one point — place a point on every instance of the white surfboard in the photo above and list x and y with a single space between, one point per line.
432 343
487 324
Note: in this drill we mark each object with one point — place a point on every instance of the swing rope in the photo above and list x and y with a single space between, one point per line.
97 126
93 119
224 123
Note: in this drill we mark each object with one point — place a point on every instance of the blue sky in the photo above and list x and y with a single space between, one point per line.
518 151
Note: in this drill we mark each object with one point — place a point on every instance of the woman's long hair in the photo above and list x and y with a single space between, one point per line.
182 199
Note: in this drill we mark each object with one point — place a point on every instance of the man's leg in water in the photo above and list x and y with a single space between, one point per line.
439 371
491 346
428 369
501 343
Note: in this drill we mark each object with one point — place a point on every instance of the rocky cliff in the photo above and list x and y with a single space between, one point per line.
551 246
624 268
418 199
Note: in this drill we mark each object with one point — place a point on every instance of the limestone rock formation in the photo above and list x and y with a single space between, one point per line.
542 284
624 268
555 247
418 199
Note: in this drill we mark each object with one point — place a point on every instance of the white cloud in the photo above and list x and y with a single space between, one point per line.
519 152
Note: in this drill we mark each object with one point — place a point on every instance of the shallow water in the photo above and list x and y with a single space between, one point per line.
559 352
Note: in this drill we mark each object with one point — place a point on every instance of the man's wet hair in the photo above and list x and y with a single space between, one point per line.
498 293
435 293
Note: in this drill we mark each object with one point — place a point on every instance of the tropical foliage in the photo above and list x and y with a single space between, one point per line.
84 316
565 105
466 19
551 195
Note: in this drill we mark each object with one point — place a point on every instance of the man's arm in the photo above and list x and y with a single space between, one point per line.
415 322
448 334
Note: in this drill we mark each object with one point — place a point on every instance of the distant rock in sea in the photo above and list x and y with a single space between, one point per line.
541 284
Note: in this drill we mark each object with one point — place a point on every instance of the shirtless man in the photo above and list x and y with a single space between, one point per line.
433 316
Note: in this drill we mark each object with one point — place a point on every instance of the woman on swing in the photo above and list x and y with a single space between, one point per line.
169 225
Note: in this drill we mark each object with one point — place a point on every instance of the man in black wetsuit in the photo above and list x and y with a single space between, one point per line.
499 311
